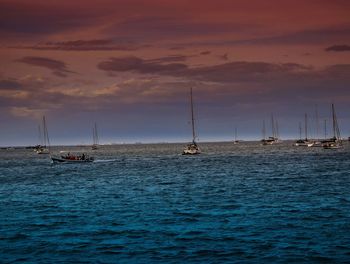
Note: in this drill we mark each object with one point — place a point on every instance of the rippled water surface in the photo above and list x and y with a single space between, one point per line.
147 204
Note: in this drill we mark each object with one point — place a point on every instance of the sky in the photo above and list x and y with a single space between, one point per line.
128 65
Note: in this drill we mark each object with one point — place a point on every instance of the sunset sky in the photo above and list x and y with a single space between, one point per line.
128 65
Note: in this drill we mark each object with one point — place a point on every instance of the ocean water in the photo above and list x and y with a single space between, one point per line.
241 203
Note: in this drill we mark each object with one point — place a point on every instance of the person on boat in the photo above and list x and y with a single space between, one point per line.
83 156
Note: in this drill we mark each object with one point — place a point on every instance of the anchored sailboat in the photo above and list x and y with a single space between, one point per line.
235 141
274 138
317 142
335 141
94 138
192 148
304 142
43 149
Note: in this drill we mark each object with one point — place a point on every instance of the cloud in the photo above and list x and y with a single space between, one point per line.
224 57
227 72
170 58
338 48
299 37
58 68
26 112
207 52
84 45
9 85
135 64
35 18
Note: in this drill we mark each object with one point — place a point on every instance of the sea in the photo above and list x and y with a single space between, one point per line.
146 203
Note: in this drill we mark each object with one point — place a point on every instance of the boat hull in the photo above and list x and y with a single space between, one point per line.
190 152
191 149
304 144
62 160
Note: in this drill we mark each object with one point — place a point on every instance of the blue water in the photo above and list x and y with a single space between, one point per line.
241 203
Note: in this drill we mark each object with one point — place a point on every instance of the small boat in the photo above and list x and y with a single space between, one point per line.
70 158
332 145
334 142
269 141
94 138
274 138
236 141
192 148
43 138
304 142
317 144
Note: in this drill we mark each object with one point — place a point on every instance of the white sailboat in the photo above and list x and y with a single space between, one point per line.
272 139
95 138
334 142
235 141
317 142
43 149
304 142
192 148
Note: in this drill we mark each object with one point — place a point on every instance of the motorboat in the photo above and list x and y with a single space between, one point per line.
71 158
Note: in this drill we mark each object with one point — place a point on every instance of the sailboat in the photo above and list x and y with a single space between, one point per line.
304 142
40 138
317 142
272 139
94 138
42 149
235 141
192 148
335 141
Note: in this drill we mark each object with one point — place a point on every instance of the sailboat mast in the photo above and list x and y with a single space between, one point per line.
300 130
40 136
334 121
96 135
235 133
273 126
192 116
46 134
44 131
325 129
336 130
97 139
264 130
305 126
317 122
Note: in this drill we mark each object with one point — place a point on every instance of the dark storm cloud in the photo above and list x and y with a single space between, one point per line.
58 68
338 48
